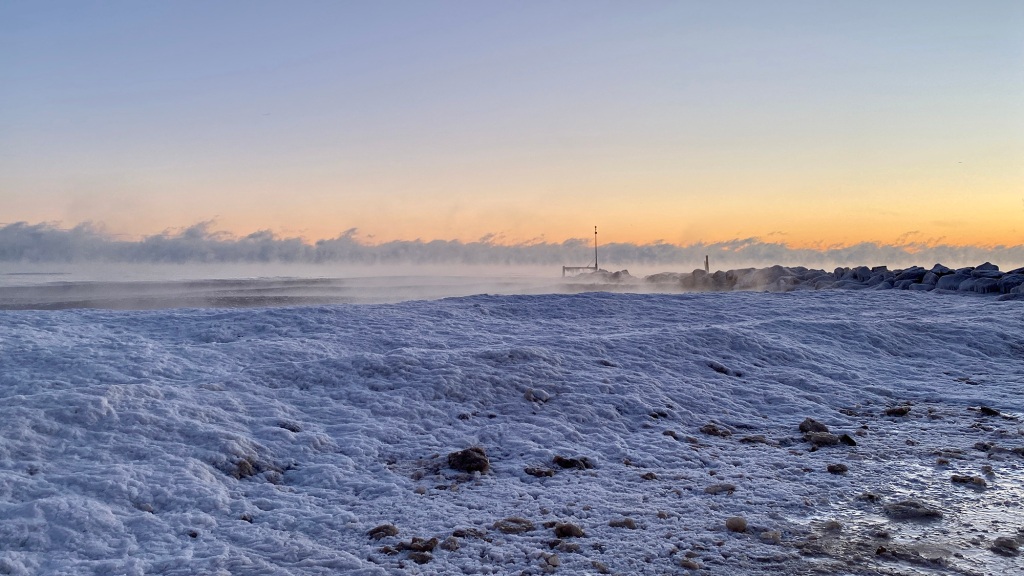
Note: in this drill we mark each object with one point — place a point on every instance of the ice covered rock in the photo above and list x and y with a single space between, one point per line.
568 530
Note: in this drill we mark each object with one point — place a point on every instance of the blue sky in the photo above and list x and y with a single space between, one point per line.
680 121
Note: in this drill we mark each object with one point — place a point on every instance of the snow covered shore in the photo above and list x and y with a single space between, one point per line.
624 434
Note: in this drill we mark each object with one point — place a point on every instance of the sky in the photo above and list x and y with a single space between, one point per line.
811 124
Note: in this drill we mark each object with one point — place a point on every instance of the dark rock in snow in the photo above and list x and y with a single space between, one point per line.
514 525
539 472
469 460
715 430
719 488
812 425
383 531
989 411
897 411
568 530
754 439
976 482
421 557
911 510
419 545
649 476
581 463
1006 546
736 524
848 440
623 523
818 439
838 468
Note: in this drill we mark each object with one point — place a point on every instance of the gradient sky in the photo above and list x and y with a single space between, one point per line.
811 123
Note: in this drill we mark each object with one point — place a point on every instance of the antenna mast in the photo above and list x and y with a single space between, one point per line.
595 248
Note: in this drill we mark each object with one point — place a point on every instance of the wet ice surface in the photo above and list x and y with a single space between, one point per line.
272 440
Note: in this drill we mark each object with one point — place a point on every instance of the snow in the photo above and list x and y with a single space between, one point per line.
272 440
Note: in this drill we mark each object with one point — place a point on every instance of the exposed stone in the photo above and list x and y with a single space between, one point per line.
671 434
838 468
581 463
812 425
973 481
770 537
419 544
715 430
689 564
897 411
754 439
568 530
450 544
649 476
719 488
601 567
383 531
821 439
421 557
911 510
470 460
736 524
1005 546
989 411
539 472
848 440
514 525
623 523
551 560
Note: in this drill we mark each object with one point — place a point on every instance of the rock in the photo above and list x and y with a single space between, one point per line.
989 411
539 472
383 531
623 523
601 567
770 537
821 439
754 439
450 544
838 468
421 557
1005 546
581 463
911 510
552 560
848 440
832 526
419 544
649 476
470 460
736 524
568 530
976 482
897 411
689 564
538 396
812 425
714 430
719 488
514 525
671 434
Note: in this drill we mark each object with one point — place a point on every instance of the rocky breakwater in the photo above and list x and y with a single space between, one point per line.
982 279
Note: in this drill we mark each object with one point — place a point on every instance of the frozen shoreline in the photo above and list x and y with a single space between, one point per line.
273 440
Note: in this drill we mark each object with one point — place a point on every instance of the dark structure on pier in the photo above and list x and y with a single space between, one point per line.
575 269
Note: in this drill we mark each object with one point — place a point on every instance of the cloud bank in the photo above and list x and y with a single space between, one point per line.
43 242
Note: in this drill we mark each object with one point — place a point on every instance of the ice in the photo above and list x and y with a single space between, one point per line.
272 440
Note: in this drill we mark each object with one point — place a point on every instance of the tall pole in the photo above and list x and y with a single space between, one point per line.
595 249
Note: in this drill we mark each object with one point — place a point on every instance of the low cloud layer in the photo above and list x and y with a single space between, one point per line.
40 243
